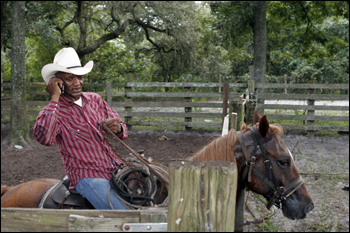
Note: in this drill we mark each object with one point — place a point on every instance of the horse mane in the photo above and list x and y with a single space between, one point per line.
222 148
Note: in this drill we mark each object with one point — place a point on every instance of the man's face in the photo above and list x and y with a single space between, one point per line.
74 84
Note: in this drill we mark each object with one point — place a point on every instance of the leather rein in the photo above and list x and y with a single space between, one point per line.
280 192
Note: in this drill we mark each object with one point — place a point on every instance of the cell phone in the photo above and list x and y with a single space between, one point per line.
63 88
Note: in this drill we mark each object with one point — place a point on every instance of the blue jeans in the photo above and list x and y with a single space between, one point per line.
96 191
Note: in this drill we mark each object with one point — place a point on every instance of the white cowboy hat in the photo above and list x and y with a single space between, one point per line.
66 60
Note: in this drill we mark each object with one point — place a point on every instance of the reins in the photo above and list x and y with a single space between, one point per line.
136 165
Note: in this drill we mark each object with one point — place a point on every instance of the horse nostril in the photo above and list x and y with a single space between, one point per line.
309 208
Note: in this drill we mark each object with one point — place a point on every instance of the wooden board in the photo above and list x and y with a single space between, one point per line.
26 219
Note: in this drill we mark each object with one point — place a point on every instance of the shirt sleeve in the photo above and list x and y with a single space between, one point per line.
110 113
46 126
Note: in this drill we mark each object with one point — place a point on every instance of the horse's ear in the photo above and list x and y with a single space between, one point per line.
256 117
263 126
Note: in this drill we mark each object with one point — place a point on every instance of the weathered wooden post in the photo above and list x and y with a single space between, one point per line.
224 101
188 109
233 121
128 109
109 92
202 196
311 102
250 104
285 83
236 106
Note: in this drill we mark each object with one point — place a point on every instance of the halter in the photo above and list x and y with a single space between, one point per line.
280 192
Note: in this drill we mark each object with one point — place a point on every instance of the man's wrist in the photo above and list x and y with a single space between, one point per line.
121 130
55 98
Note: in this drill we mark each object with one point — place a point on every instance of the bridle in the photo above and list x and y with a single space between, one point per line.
280 192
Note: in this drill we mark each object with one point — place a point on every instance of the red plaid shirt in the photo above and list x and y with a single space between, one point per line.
85 153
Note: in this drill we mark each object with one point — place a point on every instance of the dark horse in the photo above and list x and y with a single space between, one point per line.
269 171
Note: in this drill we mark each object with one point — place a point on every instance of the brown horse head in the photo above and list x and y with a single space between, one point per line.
276 163
267 168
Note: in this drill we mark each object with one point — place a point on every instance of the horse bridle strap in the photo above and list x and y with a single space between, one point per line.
280 193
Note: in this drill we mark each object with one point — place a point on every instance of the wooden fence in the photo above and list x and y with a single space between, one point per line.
187 103
131 102
309 109
205 203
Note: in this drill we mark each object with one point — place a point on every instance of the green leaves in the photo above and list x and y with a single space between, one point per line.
164 41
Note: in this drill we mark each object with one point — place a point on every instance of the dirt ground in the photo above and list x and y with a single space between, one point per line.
322 161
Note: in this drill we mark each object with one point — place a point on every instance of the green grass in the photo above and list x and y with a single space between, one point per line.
268 226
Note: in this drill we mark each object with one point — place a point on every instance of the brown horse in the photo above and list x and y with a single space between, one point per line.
265 165
26 195
269 171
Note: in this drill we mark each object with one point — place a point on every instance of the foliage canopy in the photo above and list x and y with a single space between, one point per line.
168 41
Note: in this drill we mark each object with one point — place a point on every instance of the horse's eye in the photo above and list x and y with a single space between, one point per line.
284 162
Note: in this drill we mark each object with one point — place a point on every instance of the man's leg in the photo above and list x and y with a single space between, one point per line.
96 191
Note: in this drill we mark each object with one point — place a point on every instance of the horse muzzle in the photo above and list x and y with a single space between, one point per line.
297 208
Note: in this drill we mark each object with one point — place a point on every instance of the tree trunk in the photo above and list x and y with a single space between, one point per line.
19 131
260 43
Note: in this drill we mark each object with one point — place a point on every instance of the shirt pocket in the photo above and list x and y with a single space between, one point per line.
81 131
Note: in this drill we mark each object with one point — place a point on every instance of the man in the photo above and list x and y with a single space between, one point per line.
72 120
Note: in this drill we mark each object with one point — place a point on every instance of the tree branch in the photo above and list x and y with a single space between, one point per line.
145 27
112 35
142 24
114 19
307 16
66 25
82 51
81 25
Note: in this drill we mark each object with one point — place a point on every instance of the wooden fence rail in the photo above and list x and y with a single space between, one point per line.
51 220
186 107
307 109
131 103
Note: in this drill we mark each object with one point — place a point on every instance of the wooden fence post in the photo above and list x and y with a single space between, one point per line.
202 196
259 101
311 102
188 109
250 106
236 106
240 208
109 92
224 101
285 83
233 124
220 83
127 99
251 89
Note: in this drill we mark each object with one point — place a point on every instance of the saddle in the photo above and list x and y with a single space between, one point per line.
61 197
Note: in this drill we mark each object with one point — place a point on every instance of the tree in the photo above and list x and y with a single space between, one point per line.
260 40
166 27
19 130
309 40
298 41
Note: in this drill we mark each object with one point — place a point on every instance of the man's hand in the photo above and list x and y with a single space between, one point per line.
113 125
53 89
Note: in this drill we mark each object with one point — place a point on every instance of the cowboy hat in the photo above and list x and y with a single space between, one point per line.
66 60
